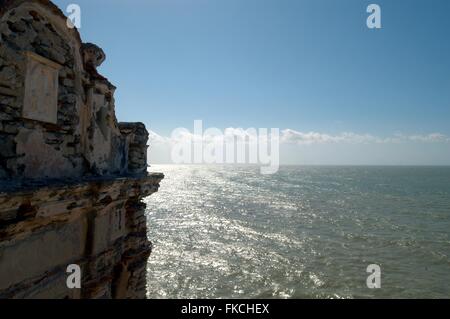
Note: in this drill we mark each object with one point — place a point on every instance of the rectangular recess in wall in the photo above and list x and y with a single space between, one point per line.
41 89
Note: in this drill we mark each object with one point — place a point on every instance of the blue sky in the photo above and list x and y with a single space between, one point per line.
308 66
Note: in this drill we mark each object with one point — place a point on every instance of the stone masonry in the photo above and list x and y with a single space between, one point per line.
72 178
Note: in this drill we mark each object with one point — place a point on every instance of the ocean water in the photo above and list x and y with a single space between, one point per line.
306 232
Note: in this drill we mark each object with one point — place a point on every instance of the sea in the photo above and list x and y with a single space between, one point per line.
304 232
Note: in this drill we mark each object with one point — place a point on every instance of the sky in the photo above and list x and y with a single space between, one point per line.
340 93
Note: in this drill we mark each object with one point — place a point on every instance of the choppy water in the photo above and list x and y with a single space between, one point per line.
306 232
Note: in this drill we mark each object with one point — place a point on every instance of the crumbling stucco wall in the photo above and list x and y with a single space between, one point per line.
71 134
72 178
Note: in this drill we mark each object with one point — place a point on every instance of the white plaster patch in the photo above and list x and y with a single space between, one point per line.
41 89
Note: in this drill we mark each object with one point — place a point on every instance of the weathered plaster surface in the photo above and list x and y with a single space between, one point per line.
41 89
99 225
49 83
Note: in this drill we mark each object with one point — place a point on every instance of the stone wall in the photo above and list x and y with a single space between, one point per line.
97 224
71 132
137 137
72 178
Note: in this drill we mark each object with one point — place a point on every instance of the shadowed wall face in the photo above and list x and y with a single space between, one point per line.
57 113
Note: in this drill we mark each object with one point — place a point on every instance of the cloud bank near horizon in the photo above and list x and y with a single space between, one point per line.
289 136
316 148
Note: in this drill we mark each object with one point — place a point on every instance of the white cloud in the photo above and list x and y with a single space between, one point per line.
434 137
155 138
289 136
